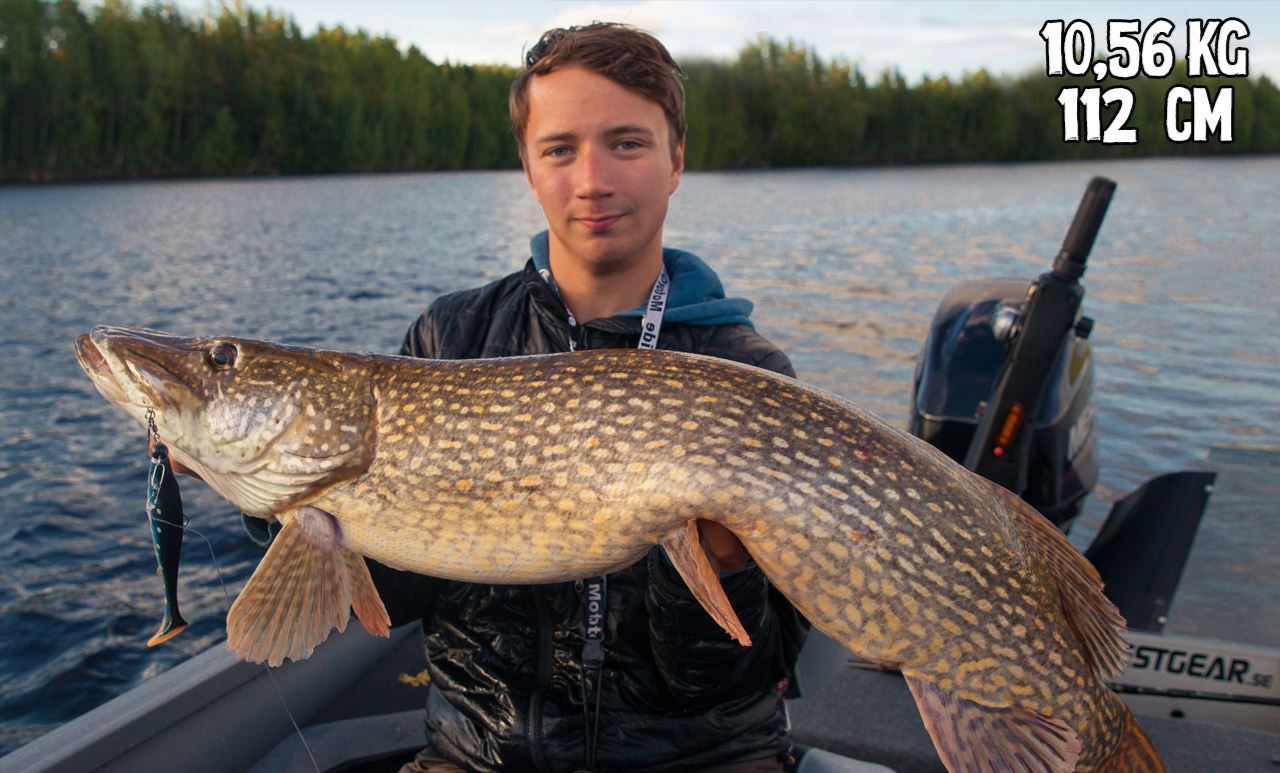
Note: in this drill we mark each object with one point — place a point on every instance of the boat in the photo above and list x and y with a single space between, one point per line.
357 704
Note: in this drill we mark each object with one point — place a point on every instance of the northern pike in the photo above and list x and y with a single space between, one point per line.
551 468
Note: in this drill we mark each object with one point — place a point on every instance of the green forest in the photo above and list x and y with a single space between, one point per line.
117 91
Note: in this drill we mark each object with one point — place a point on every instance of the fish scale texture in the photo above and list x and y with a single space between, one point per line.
556 467
548 468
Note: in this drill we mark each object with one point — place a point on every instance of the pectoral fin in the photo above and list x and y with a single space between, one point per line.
971 736
685 551
304 587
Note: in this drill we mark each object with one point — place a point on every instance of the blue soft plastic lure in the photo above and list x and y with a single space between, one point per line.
164 513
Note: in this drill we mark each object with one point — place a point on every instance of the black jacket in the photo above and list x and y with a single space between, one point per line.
506 661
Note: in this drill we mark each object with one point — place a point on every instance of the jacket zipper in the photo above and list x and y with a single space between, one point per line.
577 337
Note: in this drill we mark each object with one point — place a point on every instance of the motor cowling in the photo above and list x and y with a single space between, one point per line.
968 341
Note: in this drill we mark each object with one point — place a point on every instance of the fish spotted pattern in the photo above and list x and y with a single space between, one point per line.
557 467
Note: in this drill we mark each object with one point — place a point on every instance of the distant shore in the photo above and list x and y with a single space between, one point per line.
87 180
110 92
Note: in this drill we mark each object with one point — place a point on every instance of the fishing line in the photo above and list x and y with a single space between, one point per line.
274 684
155 479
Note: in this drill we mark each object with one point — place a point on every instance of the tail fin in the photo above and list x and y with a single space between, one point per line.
1134 753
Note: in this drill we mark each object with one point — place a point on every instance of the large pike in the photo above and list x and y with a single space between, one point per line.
551 468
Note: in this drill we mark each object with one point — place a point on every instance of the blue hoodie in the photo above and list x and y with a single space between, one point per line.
696 298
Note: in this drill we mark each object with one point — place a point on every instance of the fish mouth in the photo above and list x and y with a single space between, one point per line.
126 367
90 357
95 365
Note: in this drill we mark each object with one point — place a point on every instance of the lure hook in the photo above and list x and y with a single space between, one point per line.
152 432
164 513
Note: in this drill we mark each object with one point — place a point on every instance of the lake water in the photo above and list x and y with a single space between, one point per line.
846 268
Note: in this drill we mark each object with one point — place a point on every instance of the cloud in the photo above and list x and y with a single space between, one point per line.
651 16
929 36
510 31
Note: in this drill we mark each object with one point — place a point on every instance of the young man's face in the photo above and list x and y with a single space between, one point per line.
598 158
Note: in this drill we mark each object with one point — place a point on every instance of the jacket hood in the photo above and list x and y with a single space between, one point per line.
696 297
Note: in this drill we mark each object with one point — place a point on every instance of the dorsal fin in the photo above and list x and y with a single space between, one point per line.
1095 620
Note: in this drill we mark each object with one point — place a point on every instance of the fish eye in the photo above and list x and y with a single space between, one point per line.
222 356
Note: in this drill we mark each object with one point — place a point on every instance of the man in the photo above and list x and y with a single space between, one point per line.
527 678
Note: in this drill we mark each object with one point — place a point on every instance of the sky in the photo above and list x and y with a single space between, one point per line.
929 37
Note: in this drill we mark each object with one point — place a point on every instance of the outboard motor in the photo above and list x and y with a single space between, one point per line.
1005 382
1004 386
968 342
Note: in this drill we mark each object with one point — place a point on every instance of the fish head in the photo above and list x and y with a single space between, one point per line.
267 426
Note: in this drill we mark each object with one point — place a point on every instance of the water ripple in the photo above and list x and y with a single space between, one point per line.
846 268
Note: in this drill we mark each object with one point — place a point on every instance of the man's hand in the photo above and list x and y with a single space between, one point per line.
727 551
173 463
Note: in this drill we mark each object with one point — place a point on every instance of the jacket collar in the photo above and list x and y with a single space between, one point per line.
553 311
697 295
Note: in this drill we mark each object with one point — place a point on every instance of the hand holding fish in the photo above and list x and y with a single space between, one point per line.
727 552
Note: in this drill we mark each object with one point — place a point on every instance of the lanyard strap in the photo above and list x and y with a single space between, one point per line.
653 311
595 594
595 590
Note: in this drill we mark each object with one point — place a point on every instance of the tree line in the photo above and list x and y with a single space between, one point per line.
116 91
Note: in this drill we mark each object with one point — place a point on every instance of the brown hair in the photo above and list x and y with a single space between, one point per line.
630 57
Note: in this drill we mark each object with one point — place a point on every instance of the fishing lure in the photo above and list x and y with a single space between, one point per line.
164 512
